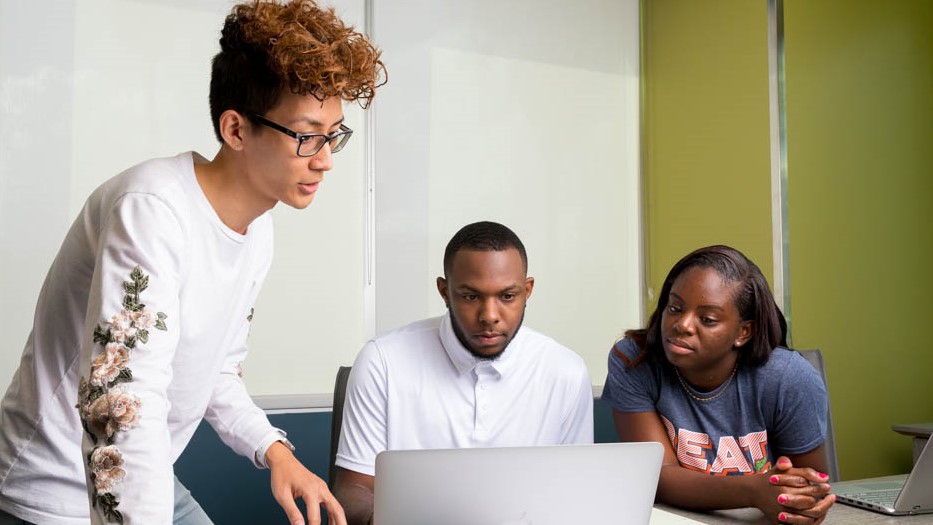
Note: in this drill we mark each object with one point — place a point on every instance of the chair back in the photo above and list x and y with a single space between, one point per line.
340 392
815 357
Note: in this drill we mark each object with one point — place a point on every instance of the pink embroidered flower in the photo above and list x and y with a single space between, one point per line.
118 409
106 366
121 326
143 319
106 463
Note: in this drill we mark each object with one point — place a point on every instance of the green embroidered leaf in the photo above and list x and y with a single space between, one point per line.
139 282
161 315
131 303
108 502
124 376
160 324
102 337
91 435
94 393
143 335
99 335
130 342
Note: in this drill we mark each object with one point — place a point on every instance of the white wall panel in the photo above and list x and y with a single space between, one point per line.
520 111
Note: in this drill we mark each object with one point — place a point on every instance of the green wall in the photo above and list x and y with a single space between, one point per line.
706 158
860 193
859 79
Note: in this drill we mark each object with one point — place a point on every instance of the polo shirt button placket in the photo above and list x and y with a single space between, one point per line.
483 373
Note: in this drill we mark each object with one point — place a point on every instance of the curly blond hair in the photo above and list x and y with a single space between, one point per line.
268 47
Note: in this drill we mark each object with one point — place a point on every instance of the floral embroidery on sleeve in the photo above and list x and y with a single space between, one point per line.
105 404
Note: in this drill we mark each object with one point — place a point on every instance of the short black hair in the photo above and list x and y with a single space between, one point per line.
484 236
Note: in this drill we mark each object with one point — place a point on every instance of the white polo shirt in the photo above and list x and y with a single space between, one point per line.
417 387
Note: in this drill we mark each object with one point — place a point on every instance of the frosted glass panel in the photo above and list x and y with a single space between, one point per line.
525 113
520 111
91 87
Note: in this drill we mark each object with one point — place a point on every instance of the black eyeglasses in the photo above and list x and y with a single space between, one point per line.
311 143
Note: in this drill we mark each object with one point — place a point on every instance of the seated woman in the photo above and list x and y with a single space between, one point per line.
742 420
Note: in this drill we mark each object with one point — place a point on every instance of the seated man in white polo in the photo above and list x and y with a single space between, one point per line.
474 377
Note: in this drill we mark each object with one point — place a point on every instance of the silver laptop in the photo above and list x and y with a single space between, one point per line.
543 485
897 495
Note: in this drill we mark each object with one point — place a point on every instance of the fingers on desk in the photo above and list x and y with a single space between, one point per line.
806 516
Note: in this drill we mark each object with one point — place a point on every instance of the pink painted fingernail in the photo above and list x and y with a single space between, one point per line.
782 499
823 476
782 516
775 479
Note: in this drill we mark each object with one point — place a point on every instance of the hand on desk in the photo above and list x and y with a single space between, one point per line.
801 495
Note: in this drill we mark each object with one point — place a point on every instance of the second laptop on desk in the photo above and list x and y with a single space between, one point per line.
911 496
546 485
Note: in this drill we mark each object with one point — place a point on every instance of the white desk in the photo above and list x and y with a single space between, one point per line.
664 515
839 514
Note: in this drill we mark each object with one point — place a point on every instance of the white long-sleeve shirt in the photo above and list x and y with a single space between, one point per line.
168 290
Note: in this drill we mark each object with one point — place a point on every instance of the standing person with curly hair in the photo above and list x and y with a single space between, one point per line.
142 321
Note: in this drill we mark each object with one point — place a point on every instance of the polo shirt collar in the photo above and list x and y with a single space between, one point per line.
466 362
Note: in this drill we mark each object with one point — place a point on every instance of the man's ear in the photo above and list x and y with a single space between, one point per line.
233 127
529 286
442 289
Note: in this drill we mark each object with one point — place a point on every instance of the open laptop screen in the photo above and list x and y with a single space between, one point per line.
541 485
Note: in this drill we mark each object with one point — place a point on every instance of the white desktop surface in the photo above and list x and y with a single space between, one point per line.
839 514
663 517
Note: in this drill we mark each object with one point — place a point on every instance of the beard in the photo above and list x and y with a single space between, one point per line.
461 336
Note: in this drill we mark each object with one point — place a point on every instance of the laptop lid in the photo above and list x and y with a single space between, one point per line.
914 494
917 495
540 485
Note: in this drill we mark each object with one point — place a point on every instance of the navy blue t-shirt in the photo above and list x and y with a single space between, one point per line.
776 409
